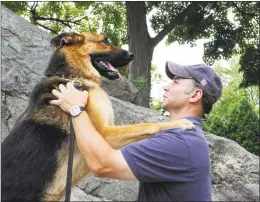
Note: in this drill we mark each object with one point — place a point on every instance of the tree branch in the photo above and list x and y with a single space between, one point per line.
83 17
36 17
53 31
64 22
178 20
241 11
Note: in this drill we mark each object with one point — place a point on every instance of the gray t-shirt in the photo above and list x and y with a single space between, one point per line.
173 165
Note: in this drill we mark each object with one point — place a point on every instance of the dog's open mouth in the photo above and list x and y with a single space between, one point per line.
105 66
108 63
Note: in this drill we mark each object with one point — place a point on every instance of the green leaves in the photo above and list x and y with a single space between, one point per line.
250 65
140 81
112 21
156 104
232 27
107 18
235 115
239 123
18 7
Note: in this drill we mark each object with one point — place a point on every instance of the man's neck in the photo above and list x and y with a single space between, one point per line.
182 114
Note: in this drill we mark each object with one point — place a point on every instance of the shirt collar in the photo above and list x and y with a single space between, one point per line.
194 119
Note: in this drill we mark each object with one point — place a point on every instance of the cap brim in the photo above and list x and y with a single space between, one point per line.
172 69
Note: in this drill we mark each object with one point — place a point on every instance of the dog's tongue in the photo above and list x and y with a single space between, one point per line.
111 66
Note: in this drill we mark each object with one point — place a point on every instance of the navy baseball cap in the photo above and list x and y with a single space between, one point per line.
201 73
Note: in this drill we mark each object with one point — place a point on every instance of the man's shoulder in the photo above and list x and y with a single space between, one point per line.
178 131
194 136
166 140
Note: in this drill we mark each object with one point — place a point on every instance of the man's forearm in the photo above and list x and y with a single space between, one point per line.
91 144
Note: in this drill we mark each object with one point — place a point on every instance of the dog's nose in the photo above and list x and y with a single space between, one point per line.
131 55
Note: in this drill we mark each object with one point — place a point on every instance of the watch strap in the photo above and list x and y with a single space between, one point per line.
82 108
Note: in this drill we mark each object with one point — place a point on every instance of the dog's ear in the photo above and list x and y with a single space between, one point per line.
66 38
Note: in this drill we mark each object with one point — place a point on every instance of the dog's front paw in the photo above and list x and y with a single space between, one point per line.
184 124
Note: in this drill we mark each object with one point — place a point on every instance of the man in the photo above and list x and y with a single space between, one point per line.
174 165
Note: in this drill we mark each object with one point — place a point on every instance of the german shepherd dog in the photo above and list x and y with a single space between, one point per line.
35 154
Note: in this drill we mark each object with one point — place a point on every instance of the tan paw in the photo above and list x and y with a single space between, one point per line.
185 124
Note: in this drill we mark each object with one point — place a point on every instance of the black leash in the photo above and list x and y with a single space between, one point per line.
70 161
76 84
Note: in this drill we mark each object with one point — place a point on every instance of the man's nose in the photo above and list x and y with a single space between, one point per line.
166 88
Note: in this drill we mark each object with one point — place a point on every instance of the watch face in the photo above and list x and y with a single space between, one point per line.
75 111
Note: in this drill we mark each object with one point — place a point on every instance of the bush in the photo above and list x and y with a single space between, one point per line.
239 123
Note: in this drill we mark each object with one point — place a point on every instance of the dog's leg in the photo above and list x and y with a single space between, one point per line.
119 136
100 111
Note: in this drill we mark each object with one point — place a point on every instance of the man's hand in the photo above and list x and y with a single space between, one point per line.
69 96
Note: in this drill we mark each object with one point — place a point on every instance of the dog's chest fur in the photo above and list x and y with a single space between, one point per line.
56 188
38 145
99 109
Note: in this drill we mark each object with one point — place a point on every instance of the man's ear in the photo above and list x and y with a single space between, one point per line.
196 95
66 38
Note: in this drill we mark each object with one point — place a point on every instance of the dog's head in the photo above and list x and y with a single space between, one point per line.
86 54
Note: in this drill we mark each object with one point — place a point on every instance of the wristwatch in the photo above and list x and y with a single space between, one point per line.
76 110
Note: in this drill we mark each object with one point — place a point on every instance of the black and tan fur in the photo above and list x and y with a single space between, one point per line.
35 154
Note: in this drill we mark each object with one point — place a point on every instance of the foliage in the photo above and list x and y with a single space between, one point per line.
231 78
140 81
124 70
18 7
156 104
56 17
157 78
239 123
236 114
232 27
112 20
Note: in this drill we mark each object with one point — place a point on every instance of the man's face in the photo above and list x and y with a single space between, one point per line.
177 93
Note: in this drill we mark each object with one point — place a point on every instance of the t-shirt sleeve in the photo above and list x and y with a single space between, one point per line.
163 158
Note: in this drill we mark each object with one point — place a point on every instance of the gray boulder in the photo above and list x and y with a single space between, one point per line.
121 88
115 190
25 55
235 171
79 195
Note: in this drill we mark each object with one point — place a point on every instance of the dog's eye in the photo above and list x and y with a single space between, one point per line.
106 41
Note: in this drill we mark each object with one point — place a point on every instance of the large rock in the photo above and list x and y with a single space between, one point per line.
120 88
78 195
235 171
115 190
25 55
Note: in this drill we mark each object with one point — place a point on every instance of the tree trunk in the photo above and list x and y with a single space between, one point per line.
140 44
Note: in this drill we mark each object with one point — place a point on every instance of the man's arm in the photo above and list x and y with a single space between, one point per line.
102 159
